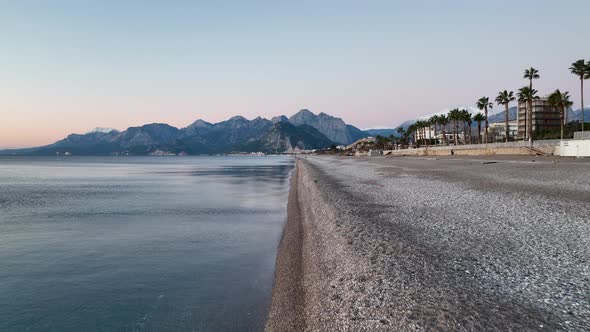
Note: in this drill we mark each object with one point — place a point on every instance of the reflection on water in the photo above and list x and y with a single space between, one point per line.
133 244
241 174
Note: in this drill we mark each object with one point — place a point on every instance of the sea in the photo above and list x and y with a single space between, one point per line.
139 243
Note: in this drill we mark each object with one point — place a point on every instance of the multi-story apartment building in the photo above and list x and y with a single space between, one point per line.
545 117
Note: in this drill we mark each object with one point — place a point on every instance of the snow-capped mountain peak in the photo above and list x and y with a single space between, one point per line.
102 130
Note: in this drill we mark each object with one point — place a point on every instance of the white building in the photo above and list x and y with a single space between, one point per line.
497 131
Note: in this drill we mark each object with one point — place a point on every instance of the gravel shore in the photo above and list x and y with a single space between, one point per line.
436 244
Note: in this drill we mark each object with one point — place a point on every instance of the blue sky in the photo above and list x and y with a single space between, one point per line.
68 66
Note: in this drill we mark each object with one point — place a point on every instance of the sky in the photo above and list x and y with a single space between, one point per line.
69 66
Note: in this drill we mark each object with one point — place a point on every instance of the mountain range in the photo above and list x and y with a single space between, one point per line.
302 131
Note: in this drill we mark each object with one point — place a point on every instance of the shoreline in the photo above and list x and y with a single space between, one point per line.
287 303
318 274
363 250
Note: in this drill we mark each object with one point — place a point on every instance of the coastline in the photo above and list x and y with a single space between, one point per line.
363 251
318 275
287 304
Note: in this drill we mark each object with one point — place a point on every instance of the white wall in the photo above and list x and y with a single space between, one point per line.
575 148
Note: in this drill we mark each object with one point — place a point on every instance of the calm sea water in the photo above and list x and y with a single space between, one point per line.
139 243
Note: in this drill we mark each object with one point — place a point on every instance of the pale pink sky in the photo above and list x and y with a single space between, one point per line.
71 67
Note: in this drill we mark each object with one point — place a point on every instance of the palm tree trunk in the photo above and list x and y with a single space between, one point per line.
582 97
464 134
530 119
470 142
455 131
562 117
435 142
422 136
506 120
478 132
526 121
486 134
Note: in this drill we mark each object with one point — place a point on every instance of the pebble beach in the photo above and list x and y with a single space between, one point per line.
419 244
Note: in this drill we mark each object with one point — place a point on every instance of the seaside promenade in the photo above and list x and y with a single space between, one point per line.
413 244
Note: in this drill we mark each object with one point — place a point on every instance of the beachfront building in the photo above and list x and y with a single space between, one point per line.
545 117
497 131
440 139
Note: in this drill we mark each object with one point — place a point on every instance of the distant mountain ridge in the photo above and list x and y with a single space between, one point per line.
385 132
334 128
500 117
302 131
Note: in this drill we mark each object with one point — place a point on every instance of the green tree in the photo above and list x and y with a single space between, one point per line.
504 98
479 118
562 102
528 95
484 104
581 69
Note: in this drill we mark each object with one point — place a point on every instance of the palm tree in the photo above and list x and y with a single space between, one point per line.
425 131
467 118
421 125
392 141
504 98
386 142
378 141
415 130
425 126
562 102
463 115
479 118
444 121
402 133
484 104
527 95
581 69
412 130
434 122
531 74
455 116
